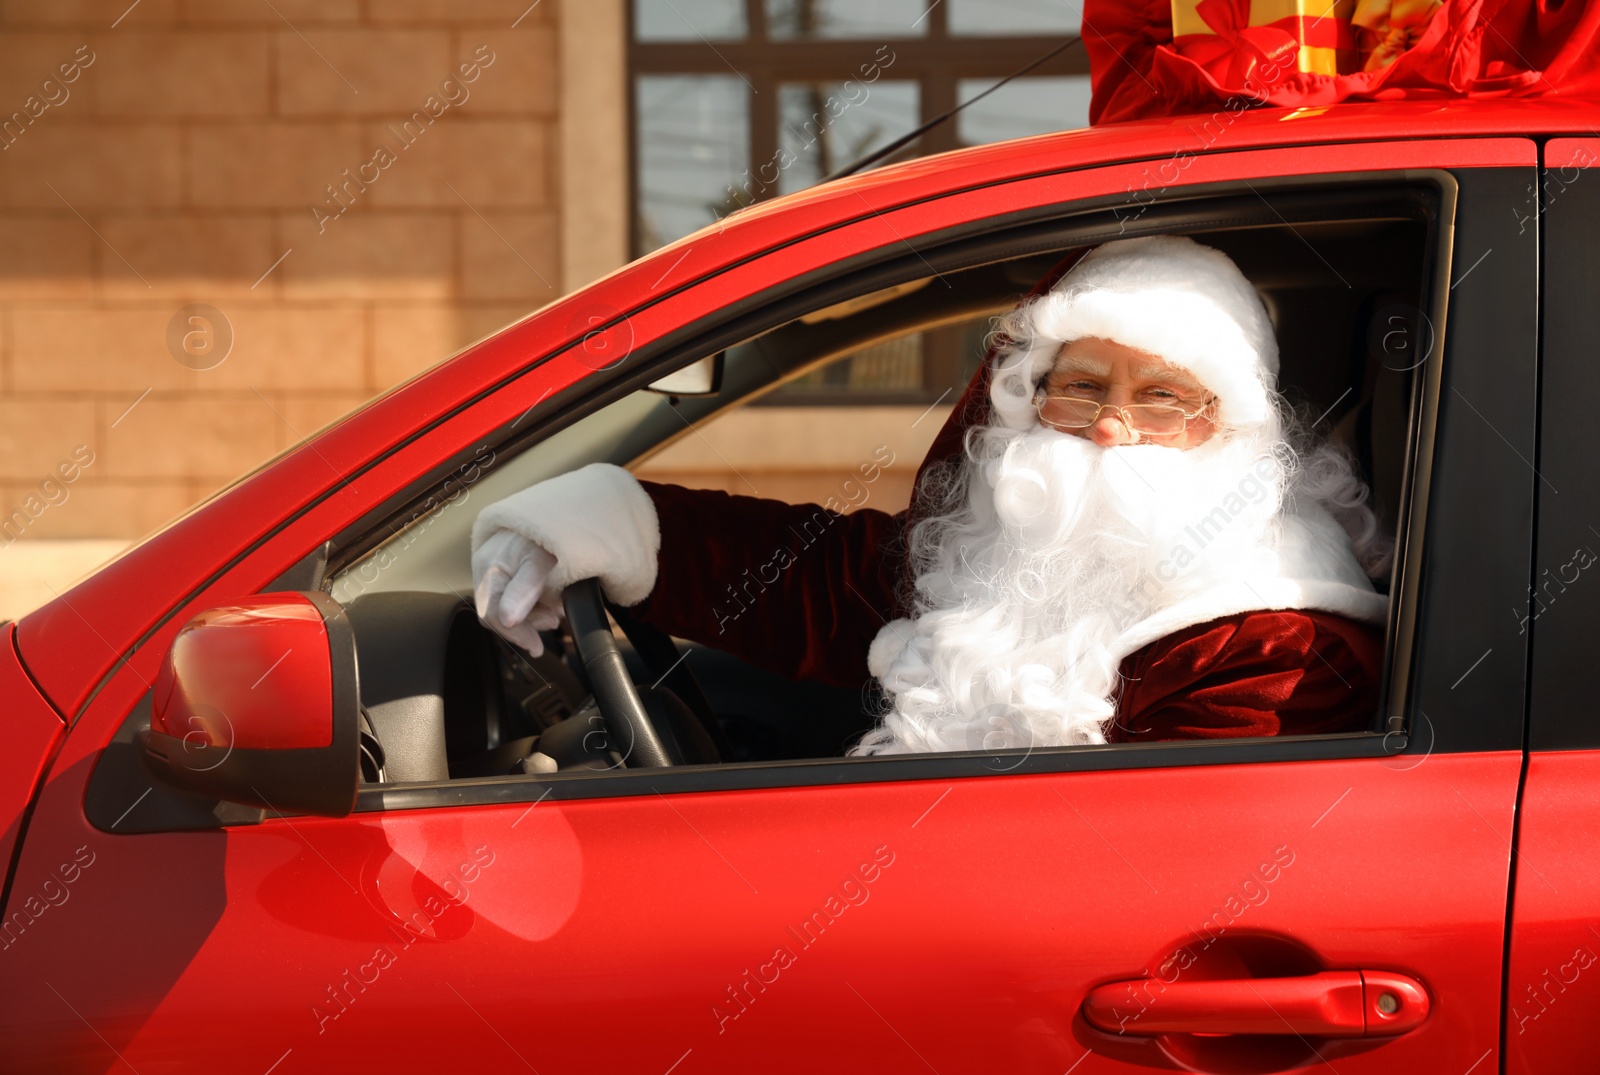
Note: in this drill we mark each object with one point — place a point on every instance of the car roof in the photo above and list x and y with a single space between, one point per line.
1222 130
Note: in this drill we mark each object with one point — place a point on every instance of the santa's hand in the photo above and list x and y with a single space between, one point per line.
510 577
594 522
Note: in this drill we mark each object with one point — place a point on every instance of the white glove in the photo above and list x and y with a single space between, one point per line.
510 575
595 522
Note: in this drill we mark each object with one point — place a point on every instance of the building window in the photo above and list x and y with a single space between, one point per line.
738 101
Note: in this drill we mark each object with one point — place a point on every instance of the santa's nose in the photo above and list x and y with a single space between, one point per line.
1109 431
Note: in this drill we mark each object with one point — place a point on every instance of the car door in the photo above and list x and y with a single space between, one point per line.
949 913
1553 983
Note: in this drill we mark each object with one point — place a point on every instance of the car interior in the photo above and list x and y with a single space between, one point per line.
447 698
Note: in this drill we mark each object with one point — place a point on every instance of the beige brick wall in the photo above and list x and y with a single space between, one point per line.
181 164
180 168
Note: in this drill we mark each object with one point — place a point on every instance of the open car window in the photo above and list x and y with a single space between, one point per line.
1348 281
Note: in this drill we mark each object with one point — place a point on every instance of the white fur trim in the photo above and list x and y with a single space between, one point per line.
1165 294
597 521
1316 570
887 646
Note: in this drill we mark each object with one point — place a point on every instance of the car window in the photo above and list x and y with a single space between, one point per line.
1353 308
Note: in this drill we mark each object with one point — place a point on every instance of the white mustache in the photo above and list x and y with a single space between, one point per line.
1047 548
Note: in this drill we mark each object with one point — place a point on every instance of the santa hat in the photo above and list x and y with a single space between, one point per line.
1165 294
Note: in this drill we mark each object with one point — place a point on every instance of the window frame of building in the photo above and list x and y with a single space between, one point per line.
936 59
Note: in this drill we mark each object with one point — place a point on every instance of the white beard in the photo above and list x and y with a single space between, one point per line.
1049 547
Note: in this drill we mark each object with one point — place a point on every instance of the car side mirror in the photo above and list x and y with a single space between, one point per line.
702 378
258 702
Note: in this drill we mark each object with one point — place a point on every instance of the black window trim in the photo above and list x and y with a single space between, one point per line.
833 772
1560 713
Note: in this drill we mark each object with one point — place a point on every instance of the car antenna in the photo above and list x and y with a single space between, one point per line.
877 155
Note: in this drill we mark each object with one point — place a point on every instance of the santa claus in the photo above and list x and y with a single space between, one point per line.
1121 535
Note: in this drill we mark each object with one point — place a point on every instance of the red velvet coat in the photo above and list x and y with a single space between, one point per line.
802 592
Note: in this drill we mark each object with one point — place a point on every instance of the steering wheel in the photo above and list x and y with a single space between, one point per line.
651 728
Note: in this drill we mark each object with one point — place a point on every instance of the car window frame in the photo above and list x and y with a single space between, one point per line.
737 320
698 340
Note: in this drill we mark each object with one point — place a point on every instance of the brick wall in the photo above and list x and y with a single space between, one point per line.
180 167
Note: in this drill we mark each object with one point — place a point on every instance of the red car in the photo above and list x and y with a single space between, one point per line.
274 801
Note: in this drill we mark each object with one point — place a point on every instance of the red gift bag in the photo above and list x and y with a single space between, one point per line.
1467 48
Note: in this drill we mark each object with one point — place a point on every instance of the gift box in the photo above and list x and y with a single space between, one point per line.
1242 42
1150 58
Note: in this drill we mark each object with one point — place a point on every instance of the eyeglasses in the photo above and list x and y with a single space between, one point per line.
1150 419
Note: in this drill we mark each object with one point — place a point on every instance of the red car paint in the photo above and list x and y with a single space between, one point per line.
34 731
953 926
227 683
1553 979
634 931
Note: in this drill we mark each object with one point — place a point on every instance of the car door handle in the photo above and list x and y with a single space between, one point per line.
1332 1004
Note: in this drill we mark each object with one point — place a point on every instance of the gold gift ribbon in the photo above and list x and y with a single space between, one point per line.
1396 23
1311 58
